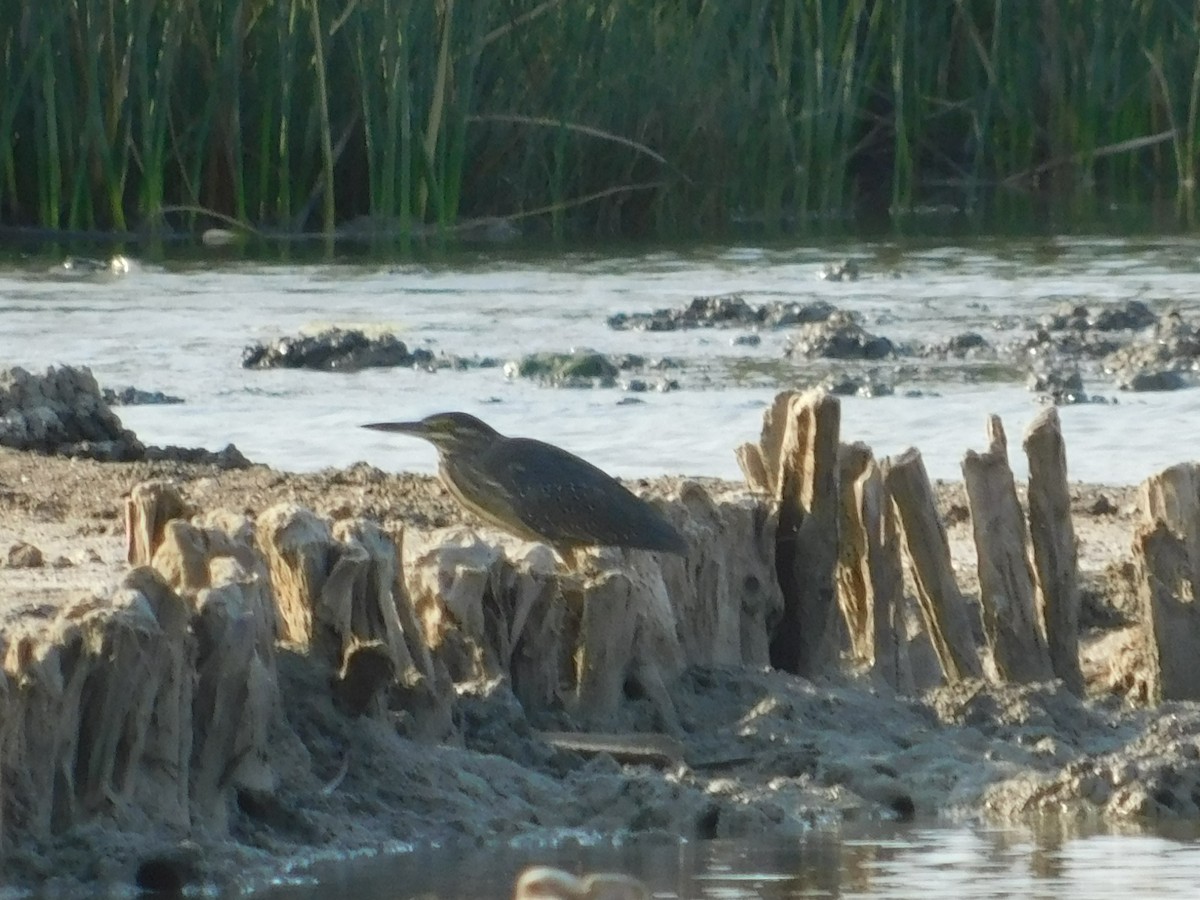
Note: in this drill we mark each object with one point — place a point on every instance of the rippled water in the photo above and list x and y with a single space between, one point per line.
923 863
181 329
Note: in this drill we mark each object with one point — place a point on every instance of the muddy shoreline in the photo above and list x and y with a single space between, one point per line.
760 751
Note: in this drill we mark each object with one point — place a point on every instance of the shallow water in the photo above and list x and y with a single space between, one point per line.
181 329
920 862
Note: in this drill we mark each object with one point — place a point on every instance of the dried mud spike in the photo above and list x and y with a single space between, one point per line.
1055 555
941 602
148 508
1011 618
807 540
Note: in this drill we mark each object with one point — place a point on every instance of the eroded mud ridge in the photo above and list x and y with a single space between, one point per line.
261 668
64 412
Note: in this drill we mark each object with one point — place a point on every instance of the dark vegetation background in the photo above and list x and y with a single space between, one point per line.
615 117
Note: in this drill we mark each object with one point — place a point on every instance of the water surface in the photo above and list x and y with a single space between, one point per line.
181 329
869 861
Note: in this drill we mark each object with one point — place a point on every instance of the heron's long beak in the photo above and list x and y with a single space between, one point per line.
417 428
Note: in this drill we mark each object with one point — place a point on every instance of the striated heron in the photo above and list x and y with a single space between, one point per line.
536 490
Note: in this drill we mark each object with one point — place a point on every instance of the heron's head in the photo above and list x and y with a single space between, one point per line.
450 432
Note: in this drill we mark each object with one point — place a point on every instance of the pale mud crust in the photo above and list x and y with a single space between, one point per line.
764 753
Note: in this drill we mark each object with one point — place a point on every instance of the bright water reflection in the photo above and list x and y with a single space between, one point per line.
923 863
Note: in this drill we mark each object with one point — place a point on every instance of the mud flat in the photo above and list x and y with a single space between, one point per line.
212 675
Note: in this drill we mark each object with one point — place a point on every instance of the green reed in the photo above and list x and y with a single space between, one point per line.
612 116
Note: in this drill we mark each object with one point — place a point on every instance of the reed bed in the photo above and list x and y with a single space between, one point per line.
412 117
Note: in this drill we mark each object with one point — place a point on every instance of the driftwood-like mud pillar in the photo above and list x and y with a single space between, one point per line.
575 637
627 632
1173 497
378 649
213 564
870 573
726 596
302 557
942 606
336 592
796 460
100 713
1010 618
185 551
1166 547
7 730
486 614
565 640
760 462
452 576
525 622
1055 555
1169 611
148 508
236 693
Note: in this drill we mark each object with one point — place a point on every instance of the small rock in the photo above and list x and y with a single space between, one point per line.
1153 381
88 555
589 369
583 368
723 311
131 396
870 389
230 457
1132 315
24 556
968 341
335 349
839 337
846 270
61 562
787 315
1060 388
83 266
841 385
957 514
1102 506
458 363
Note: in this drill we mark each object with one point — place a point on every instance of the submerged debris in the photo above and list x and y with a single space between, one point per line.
64 413
335 349
1129 315
131 396
1061 388
723 311
86 267
839 337
1159 363
591 369
846 270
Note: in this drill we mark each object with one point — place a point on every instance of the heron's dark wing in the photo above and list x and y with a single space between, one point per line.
570 502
